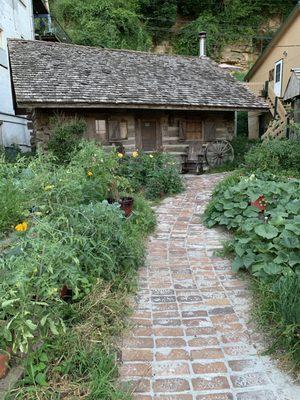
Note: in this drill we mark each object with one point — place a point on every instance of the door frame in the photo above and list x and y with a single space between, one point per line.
278 89
158 133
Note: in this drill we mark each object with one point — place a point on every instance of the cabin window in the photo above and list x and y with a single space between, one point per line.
117 130
123 130
193 130
100 128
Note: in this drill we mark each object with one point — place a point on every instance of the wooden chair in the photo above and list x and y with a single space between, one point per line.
193 160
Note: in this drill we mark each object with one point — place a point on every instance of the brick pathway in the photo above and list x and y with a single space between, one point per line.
190 338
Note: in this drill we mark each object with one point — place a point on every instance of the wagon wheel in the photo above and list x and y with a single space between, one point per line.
219 152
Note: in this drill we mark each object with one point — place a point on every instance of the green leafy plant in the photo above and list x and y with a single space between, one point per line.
76 253
277 310
104 23
156 174
275 155
11 204
65 137
266 243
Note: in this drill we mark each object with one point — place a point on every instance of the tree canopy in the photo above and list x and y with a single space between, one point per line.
138 24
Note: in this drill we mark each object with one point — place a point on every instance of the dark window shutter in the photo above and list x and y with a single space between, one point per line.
114 130
182 130
209 130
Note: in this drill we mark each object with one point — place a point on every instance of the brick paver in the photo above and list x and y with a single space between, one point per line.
190 338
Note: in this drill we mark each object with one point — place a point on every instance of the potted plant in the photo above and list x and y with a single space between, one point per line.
126 204
66 294
121 185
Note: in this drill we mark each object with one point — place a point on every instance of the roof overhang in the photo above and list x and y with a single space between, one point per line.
133 106
281 30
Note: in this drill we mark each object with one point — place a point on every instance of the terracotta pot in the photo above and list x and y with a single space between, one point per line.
260 203
66 294
126 204
4 360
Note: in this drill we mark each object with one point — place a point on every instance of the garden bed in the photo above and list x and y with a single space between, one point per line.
263 212
70 263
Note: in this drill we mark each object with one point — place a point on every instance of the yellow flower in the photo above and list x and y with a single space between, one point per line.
90 173
151 155
135 154
21 227
120 155
48 187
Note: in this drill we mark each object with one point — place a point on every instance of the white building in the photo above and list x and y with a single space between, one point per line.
16 21
24 19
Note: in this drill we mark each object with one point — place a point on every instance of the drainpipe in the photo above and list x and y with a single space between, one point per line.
202 44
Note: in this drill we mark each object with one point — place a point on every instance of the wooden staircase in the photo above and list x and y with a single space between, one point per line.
278 125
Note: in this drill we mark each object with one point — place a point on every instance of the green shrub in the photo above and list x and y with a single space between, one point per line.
278 313
156 174
73 240
165 181
241 146
65 137
11 205
275 156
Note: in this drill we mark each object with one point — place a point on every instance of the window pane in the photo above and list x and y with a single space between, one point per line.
278 73
100 127
123 130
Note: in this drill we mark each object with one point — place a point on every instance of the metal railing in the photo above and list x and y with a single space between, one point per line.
47 27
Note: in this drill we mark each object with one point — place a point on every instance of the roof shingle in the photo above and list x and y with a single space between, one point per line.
63 74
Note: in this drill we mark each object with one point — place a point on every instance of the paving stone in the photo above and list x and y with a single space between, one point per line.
257 395
171 368
249 379
208 354
210 383
171 385
137 355
218 396
170 342
209 368
136 370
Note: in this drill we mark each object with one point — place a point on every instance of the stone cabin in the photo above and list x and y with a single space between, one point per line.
141 100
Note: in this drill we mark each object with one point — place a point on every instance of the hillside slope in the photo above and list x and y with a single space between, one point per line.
145 24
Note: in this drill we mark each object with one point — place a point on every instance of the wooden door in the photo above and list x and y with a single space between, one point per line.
278 78
148 135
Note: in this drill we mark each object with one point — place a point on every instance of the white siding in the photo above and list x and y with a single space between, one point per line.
16 21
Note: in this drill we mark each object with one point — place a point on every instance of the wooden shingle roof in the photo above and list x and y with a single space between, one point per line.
47 74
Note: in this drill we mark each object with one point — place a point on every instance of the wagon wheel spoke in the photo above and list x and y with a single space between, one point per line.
219 152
